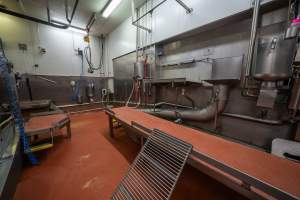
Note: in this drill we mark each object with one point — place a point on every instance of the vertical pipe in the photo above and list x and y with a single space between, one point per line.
252 38
133 19
48 12
29 88
137 38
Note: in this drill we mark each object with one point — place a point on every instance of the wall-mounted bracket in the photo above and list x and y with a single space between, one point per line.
135 21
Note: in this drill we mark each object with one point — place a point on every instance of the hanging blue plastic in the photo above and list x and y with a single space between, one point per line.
14 104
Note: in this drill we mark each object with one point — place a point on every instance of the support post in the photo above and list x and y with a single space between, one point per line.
69 129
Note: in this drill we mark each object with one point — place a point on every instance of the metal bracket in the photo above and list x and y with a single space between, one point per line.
141 27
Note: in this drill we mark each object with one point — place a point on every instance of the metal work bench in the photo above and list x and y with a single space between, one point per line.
46 124
253 173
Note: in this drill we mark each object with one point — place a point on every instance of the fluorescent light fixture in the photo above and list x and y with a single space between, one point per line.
110 8
76 30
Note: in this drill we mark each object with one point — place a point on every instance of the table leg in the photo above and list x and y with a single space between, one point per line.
111 127
69 129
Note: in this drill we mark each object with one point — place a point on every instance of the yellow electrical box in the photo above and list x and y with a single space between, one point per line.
86 39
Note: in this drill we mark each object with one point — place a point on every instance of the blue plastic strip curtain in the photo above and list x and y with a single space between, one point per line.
10 87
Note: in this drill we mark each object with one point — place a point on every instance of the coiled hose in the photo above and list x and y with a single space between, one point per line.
15 108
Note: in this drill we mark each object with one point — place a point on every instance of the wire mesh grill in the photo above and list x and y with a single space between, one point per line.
155 171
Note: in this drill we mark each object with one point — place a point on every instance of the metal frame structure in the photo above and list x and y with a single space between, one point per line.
50 22
135 21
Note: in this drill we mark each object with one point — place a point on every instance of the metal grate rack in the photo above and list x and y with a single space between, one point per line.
156 170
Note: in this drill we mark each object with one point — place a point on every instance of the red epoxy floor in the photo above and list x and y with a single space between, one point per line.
91 164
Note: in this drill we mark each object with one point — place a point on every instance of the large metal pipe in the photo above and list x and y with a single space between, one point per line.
251 46
218 104
171 104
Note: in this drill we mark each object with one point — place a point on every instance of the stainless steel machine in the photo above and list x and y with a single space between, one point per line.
236 75
274 63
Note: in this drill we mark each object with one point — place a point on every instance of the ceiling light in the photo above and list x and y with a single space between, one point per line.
77 30
111 6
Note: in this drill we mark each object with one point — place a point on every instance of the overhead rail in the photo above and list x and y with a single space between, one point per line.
34 19
73 10
49 21
135 21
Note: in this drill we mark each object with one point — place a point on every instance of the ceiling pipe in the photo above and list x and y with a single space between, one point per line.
34 19
52 23
68 25
73 10
220 92
91 22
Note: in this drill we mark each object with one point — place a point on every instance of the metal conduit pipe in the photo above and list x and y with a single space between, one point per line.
170 104
220 92
73 10
9 12
254 119
252 38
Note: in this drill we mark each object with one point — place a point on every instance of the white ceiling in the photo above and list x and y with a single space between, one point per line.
37 8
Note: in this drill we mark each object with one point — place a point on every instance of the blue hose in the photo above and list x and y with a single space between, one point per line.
15 108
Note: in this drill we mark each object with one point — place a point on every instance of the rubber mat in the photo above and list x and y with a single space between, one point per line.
155 171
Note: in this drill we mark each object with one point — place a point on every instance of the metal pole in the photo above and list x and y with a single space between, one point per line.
252 38
73 10
188 10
